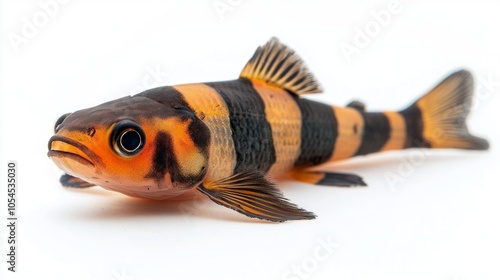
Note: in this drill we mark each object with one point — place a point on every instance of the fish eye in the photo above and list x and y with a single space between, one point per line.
127 138
59 121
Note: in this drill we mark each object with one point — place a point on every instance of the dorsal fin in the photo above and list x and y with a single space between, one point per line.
277 64
358 105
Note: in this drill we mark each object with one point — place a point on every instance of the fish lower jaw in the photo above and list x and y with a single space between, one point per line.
73 165
64 155
153 192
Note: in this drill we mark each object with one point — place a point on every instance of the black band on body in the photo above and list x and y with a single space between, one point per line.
414 127
252 134
376 132
318 133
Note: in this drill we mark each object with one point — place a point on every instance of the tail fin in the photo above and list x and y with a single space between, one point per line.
437 120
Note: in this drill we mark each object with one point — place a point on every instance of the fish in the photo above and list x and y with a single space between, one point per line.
228 140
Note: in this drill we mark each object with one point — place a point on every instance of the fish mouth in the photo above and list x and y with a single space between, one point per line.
73 150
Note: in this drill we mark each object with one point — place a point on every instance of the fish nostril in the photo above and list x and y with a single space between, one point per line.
59 121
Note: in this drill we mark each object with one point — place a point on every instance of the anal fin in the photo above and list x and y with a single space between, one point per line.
329 178
250 194
74 182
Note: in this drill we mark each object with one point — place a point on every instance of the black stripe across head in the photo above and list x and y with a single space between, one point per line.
182 164
163 158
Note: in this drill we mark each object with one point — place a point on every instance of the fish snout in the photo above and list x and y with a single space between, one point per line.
63 147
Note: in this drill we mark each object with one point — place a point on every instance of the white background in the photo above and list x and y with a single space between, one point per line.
440 222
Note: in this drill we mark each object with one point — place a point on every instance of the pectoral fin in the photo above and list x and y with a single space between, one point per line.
249 193
73 182
328 178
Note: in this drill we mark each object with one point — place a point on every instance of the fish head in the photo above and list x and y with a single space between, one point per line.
135 145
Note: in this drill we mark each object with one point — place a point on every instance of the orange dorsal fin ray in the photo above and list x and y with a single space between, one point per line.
277 64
